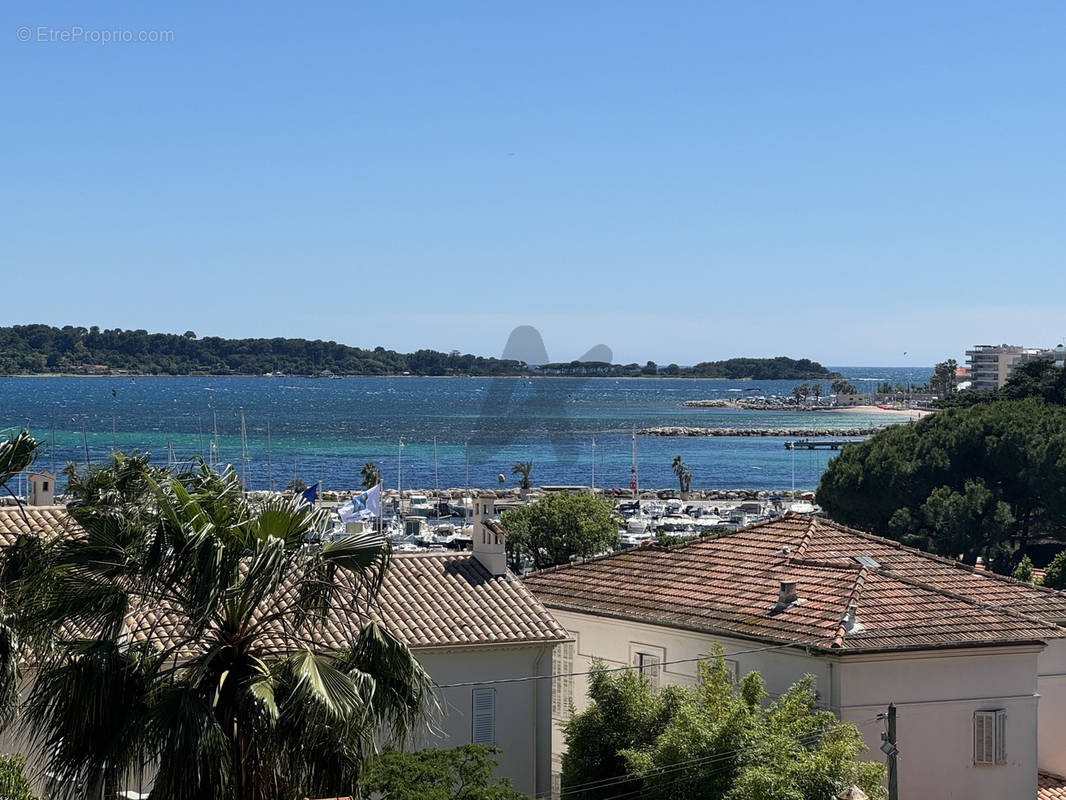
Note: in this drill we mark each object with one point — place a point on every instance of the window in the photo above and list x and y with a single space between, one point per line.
563 682
484 717
45 486
990 737
649 664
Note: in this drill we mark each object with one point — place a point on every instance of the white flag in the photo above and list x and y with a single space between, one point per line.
362 506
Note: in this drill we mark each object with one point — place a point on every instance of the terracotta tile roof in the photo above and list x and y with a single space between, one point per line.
436 599
46 520
1050 787
428 600
729 584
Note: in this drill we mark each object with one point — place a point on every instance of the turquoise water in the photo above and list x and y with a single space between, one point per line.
325 429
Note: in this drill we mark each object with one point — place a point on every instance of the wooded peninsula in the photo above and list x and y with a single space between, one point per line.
72 350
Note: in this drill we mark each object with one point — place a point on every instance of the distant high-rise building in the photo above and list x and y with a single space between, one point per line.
991 364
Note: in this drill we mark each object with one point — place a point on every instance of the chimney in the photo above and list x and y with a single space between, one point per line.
489 542
42 489
788 594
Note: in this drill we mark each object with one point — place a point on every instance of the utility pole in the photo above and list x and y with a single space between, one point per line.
888 747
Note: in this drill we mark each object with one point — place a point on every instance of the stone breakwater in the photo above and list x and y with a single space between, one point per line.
792 433
749 403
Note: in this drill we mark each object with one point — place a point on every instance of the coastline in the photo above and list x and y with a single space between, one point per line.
908 413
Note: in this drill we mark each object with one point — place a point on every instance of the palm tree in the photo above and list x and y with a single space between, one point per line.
371 475
296 486
681 470
17 453
209 644
522 468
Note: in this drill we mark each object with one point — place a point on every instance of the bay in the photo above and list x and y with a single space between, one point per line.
325 429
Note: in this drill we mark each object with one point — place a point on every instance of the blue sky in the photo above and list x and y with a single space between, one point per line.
678 181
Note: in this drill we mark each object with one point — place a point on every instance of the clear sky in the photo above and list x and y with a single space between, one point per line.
679 181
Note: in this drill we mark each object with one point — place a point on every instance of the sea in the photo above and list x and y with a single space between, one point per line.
429 433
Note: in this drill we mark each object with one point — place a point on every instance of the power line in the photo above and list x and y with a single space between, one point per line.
613 780
708 657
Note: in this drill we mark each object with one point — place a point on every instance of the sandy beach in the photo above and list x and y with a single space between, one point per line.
906 413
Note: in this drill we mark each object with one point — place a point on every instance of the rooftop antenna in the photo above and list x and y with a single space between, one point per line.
200 434
53 449
593 465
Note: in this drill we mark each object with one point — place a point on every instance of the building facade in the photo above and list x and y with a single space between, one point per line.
974 664
991 365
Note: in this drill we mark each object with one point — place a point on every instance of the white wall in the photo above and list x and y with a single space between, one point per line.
521 707
936 694
1051 683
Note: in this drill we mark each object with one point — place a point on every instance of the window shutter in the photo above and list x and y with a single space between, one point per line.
1001 737
563 682
984 737
484 722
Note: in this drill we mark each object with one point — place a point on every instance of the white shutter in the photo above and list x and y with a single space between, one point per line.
984 725
1001 737
563 680
484 717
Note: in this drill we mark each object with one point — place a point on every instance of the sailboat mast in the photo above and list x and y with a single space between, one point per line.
270 468
244 452
633 482
436 480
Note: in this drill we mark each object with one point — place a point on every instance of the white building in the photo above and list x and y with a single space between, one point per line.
974 663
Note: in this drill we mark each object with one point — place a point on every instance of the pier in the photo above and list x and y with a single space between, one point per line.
818 444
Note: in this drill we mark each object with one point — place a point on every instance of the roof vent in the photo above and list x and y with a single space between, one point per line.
851 620
788 594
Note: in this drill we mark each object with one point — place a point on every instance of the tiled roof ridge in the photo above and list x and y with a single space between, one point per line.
952 562
853 600
993 607
807 537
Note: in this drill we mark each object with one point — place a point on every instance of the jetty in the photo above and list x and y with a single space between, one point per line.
791 433
817 444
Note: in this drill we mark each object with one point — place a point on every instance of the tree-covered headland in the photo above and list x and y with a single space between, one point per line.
43 349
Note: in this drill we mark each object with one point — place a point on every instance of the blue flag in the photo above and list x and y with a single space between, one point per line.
310 494
362 506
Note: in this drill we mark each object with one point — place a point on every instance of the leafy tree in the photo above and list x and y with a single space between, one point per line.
1024 571
296 486
843 386
1055 572
522 470
683 473
816 390
370 474
559 527
715 741
943 380
461 773
199 650
14 784
984 480
801 392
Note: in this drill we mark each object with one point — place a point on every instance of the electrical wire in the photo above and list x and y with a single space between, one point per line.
708 657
